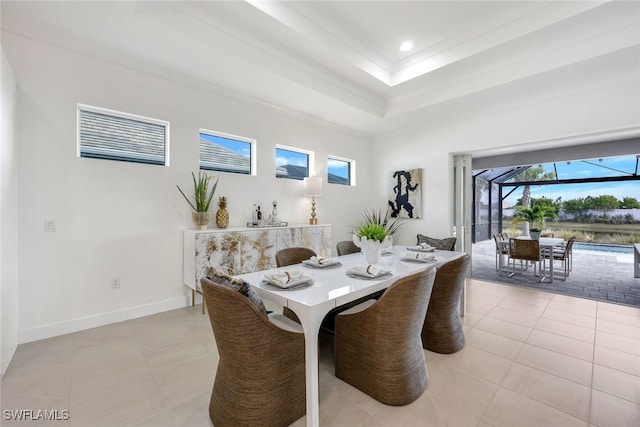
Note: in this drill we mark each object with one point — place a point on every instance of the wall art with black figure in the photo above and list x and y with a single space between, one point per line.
405 193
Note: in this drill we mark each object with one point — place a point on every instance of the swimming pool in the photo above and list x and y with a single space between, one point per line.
603 248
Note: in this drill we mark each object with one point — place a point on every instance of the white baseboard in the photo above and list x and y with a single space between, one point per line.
93 321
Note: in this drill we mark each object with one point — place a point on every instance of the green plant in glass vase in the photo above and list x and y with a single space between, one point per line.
203 191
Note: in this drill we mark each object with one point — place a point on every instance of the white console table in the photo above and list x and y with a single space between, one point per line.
240 250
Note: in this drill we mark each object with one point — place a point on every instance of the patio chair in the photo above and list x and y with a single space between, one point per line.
563 255
378 347
501 250
524 250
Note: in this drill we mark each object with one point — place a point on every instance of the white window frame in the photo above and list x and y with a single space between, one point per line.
311 154
129 116
352 170
253 165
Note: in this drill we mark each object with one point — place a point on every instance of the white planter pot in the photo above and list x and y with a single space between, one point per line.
371 248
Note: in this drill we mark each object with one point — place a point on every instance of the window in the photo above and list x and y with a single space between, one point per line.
292 163
226 153
112 135
340 171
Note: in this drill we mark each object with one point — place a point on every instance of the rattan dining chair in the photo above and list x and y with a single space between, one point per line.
377 344
291 256
524 250
260 378
442 330
446 244
347 247
295 255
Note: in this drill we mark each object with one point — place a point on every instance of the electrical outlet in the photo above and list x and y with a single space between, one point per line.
49 226
115 283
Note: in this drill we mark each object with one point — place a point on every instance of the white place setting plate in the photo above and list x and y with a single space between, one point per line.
287 280
421 248
367 271
418 257
320 262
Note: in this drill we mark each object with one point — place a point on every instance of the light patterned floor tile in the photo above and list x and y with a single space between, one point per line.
504 328
562 344
611 411
617 383
617 342
615 359
555 363
493 343
529 413
513 317
616 328
565 395
566 330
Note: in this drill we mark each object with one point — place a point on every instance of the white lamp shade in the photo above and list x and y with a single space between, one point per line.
313 186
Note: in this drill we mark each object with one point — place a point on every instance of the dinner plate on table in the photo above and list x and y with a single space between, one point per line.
309 263
281 281
362 273
421 249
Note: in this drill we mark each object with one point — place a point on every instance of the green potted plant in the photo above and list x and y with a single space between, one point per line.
375 233
203 193
535 216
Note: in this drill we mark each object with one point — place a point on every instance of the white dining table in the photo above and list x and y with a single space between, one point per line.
546 244
331 288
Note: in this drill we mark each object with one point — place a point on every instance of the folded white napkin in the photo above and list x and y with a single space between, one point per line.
422 247
283 277
367 270
321 260
418 256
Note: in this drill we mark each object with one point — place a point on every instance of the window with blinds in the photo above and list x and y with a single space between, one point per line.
112 135
226 153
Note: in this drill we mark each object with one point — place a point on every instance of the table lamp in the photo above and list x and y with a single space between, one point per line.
313 187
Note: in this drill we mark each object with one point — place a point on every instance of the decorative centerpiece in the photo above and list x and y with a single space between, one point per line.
535 216
202 197
375 233
222 216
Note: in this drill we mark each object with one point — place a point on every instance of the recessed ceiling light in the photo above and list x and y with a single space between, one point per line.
406 46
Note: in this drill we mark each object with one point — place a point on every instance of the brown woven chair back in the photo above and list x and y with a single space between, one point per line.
379 351
290 256
347 247
527 250
442 330
567 250
260 379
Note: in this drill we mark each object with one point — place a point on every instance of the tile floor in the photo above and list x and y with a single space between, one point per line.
532 359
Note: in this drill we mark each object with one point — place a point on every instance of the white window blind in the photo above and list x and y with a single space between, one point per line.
110 135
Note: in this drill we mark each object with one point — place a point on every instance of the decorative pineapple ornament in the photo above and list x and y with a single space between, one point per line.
222 216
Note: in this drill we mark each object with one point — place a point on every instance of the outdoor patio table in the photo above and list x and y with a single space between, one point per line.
546 244
333 288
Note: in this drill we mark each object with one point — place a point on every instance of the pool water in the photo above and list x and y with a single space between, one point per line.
603 248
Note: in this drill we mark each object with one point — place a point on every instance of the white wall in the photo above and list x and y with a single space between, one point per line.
613 104
8 217
125 220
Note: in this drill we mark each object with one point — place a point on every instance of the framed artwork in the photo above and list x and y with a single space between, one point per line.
405 193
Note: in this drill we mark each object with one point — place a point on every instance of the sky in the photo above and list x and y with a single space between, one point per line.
575 191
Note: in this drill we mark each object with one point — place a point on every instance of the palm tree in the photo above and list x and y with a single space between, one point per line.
532 174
